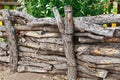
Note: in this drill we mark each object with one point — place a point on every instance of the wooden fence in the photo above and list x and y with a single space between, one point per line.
79 47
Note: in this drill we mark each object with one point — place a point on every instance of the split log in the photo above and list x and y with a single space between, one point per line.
85 24
38 34
42 23
96 49
12 41
114 67
3 35
113 76
10 3
50 40
35 64
38 51
2 29
38 70
30 69
117 33
87 76
4 58
3 45
33 59
91 20
105 18
1 18
99 59
64 67
89 35
107 51
38 28
2 52
84 78
106 39
112 39
87 40
99 49
43 46
66 33
45 57
98 72
22 14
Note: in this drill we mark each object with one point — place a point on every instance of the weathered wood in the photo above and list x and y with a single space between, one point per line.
37 34
38 51
30 69
3 45
85 24
87 40
1 18
2 29
3 35
35 64
22 14
4 58
89 35
113 76
45 57
68 44
42 23
50 40
99 49
2 52
84 78
12 41
98 72
43 46
33 59
99 59
107 51
10 3
114 67
105 18
38 28
67 40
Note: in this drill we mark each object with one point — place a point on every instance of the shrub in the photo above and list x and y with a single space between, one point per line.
43 8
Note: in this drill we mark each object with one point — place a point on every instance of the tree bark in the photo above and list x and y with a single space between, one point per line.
12 41
99 59
35 64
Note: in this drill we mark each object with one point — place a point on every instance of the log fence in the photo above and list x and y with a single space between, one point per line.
79 47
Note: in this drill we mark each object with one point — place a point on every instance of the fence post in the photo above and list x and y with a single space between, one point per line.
67 37
68 45
11 41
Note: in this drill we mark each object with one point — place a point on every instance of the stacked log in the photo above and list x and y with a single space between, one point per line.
41 48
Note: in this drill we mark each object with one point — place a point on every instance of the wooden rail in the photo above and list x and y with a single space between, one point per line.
10 3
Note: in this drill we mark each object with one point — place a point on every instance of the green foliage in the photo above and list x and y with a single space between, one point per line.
43 8
6 7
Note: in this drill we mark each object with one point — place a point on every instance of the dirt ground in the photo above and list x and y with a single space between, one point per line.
6 75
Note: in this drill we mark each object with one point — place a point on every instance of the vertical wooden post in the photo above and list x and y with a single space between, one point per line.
67 37
68 44
11 41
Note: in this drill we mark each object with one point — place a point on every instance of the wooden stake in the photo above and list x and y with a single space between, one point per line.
66 32
12 41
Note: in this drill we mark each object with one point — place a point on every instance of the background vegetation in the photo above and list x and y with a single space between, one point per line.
43 8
